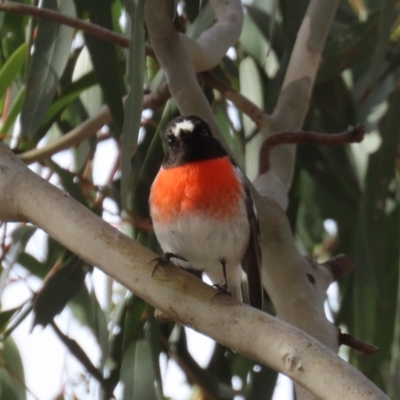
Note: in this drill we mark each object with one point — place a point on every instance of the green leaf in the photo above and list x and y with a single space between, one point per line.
52 47
203 21
354 44
387 18
105 61
58 290
91 98
134 102
253 41
145 165
33 265
13 112
137 373
393 383
376 249
263 21
12 31
11 69
12 381
68 181
87 310
13 362
134 310
23 234
263 381
192 8
209 381
251 87
152 332
5 317
7 389
146 162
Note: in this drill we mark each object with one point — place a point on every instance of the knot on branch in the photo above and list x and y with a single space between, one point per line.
292 361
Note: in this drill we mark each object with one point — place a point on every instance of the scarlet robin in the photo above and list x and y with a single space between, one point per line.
202 210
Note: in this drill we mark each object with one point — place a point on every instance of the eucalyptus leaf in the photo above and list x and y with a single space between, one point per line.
134 102
51 49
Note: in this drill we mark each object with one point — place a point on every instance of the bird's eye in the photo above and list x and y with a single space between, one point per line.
171 140
204 133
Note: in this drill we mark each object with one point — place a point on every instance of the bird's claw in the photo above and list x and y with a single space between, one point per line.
164 259
222 289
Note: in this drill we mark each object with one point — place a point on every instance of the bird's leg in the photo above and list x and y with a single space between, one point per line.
164 259
224 287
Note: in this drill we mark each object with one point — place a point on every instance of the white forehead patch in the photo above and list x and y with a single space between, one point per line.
184 125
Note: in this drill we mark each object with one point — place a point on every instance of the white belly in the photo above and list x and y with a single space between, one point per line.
205 242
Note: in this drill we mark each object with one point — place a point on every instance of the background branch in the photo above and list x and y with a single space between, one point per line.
207 51
295 94
91 29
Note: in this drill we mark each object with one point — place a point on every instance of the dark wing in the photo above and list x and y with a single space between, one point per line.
251 262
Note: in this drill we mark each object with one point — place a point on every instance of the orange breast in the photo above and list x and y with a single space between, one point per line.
210 186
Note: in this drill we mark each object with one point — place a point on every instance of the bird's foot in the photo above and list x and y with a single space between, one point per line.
222 289
164 259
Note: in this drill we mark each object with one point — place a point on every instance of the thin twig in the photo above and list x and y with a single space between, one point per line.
87 27
83 131
354 135
257 115
339 266
357 344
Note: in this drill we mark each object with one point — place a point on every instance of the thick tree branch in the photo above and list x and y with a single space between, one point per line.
294 98
24 196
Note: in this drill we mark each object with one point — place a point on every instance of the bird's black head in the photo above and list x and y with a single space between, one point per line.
190 139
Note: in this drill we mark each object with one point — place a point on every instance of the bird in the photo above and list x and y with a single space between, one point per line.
203 213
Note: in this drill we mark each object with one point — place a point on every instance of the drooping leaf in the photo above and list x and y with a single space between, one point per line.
11 359
376 252
251 87
387 18
10 70
12 32
134 101
88 312
33 265
137 374
58 290
105 60
351 46
52 45
13 113
69 183
5 317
